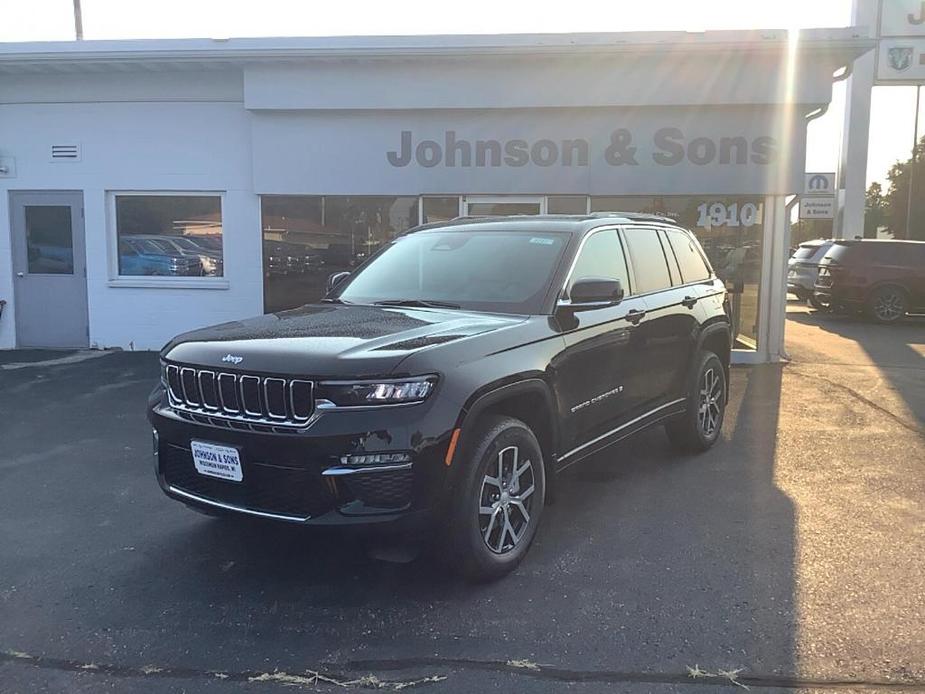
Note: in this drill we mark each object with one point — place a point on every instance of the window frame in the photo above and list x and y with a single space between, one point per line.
159 282
565 293
691 238
659 232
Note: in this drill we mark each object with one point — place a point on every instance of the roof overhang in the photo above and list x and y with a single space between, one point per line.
839 45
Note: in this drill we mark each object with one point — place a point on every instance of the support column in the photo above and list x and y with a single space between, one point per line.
852 169
776 270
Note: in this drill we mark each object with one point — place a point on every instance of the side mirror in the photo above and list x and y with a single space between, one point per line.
595 292
336 278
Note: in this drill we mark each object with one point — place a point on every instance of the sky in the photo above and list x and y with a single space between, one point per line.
892 114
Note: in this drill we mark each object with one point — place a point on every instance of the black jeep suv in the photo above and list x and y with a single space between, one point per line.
448 380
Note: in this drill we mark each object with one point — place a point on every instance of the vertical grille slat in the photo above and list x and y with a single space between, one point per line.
228 393
301 399
190 385
208 391
274 395
250 396
173 383
240 397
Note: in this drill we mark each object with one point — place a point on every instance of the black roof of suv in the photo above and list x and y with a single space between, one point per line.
446 382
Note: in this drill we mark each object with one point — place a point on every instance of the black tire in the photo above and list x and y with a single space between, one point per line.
888 304
512 525
815 303
695 431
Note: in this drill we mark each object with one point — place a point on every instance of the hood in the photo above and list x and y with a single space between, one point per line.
328 340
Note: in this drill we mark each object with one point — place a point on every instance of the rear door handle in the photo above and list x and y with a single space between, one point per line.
635 315
689 301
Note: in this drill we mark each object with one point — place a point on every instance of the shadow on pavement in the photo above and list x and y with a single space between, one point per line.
648 562
889 348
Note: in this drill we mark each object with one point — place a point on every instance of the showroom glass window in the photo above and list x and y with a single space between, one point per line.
730 229
306 238
169 235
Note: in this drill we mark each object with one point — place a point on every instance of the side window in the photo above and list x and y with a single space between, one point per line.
673 268
602 256
693 268
649 265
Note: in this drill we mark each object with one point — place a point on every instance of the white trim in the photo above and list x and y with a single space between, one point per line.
112 244
129 281
619 428
230 507
777 279
746 356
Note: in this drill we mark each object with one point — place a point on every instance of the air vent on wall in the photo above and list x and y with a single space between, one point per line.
65 152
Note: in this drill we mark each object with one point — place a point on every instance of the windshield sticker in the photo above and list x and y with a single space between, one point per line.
543 242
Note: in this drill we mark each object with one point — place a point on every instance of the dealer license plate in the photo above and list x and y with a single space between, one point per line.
223 462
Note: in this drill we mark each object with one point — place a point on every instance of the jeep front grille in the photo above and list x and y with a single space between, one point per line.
243 397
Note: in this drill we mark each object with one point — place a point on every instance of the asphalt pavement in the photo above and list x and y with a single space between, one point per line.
791 557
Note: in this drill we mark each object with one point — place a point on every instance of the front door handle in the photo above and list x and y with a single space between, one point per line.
689 301
635 315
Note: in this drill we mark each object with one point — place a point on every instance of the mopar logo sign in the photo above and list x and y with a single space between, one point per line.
819 184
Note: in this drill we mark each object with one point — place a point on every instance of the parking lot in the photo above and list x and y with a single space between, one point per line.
790 557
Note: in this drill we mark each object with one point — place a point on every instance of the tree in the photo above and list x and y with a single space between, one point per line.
875 210
896 201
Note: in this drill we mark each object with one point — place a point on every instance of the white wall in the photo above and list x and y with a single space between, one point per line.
142 146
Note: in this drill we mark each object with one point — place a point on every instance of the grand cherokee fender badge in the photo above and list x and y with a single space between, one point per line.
232 359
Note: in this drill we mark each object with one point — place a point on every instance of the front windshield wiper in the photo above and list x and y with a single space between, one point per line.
426 303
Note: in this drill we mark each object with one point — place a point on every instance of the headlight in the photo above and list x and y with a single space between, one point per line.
378 393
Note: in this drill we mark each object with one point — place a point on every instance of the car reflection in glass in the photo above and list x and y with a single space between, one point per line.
187 247
283 258
142 256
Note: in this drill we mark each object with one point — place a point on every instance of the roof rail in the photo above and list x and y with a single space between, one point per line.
654 216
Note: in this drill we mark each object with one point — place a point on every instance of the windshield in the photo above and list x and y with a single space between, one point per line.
504 271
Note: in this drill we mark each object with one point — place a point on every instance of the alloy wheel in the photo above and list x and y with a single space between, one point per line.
889 306
506 500
711 393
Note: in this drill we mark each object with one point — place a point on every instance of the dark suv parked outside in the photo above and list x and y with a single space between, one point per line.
886 279
446 382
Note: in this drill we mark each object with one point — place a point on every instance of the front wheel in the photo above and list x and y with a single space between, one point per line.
698 428
498 503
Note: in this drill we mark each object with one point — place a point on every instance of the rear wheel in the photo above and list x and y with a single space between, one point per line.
887 304
699 427
497 505
815 303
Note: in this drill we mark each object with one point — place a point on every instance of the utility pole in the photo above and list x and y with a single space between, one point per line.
915 150
78 22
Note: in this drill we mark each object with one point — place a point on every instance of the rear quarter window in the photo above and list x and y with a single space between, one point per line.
693 267
805 252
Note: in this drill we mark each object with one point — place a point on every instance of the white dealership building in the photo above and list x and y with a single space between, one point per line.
151 187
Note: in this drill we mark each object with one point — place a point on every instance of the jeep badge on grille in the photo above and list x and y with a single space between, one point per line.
232 359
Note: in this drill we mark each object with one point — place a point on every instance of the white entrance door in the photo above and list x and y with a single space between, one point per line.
494 205
49 268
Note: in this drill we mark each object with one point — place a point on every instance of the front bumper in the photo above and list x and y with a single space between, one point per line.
301 477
